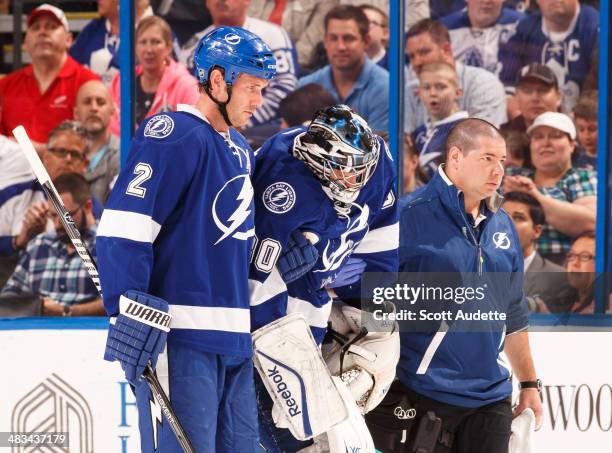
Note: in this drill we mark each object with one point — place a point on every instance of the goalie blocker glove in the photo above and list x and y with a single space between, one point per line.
138 334
298 258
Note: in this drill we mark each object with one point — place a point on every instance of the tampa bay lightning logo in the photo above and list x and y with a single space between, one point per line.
232 39
279 197
159 126
337 250
238 224
501 240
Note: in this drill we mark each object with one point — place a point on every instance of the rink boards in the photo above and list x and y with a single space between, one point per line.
54 379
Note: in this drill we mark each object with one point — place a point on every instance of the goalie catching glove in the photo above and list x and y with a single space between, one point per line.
138 334
364 353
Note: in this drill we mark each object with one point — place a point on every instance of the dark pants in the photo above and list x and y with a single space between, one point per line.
484 429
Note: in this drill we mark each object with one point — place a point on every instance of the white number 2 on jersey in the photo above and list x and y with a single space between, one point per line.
143 173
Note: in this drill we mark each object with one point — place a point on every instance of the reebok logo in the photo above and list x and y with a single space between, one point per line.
283 390
145 314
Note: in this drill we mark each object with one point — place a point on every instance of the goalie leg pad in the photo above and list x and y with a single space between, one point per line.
296 377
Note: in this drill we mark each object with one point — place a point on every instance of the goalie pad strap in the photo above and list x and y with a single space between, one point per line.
296 377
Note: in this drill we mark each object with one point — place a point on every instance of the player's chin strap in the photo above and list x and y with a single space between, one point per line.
222 105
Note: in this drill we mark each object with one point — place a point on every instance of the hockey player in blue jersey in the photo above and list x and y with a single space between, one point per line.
562 36
175 239
455 383
333 183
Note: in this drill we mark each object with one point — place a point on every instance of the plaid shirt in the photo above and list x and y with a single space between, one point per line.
575 184
46 268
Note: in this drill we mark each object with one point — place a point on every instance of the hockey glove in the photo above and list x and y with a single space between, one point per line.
364 353
298 257
138 334
349 273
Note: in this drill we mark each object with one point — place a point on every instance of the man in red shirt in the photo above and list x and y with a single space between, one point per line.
42 95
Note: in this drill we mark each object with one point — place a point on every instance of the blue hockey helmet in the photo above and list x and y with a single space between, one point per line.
235 50
341 150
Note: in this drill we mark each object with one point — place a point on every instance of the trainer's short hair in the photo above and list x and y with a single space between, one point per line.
349 12
302 104
536 212
75 184
466 134
437 30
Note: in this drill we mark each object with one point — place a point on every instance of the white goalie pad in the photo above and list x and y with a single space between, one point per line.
292 368
352 435
523 427
369 363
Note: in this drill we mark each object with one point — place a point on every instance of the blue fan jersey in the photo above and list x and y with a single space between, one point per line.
97 48
480 46
288 197
430 141
179 225
567 54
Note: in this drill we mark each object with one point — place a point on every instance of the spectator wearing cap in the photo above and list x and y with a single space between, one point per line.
563 36
477 31
43 94
585 118
428 41
537 92
567 194
351 77
545 284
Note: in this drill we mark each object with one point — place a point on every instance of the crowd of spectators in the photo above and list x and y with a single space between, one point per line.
527 67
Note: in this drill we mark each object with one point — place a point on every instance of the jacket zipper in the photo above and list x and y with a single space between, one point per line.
476 243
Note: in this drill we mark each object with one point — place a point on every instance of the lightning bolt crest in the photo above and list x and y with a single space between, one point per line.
242 212
280 196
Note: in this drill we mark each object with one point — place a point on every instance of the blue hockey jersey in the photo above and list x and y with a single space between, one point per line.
567 54
480 46
288 197
179 225
430 141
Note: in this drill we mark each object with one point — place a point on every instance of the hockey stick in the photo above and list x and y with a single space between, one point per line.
45 181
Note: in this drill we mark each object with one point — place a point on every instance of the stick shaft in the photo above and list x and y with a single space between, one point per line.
73 233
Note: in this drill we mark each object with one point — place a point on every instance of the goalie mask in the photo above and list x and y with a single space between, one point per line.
341 151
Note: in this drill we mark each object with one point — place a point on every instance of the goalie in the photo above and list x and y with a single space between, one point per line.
325 213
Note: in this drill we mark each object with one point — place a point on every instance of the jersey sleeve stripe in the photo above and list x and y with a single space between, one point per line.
210 318
263 291
128 225
381 239
315 316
